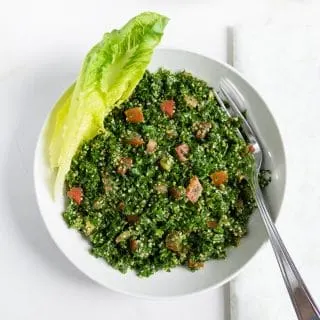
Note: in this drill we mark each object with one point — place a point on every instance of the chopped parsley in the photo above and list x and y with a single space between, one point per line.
165 184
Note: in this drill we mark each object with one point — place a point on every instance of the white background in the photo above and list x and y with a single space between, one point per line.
41 41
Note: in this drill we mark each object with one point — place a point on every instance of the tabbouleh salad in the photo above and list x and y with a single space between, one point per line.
165 184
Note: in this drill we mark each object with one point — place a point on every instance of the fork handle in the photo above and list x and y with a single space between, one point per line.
302 301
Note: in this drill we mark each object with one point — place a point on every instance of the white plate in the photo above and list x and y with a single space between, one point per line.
179 281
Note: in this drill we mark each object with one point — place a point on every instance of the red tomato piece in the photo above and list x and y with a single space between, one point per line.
134 115
151 146
133 245
251 148
219 177
168 107
124 165
212 224
182 151
132 218
136 141
75 194
194 189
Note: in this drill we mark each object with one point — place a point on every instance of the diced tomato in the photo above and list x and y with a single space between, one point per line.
182 151
127 162
175 193
133 245
219 177
168 107
136 141
194 189
134 115
251 148
76 194
124 165
212 224
132 218
151 146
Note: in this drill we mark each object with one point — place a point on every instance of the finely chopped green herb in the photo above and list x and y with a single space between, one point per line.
165 184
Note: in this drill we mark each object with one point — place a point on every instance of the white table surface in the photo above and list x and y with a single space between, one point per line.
40 41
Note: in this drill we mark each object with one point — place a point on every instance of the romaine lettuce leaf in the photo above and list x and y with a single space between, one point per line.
109 74
55 126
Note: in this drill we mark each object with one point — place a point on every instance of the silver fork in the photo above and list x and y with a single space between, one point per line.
302 300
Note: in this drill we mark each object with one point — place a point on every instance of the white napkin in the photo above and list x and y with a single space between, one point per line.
283 62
